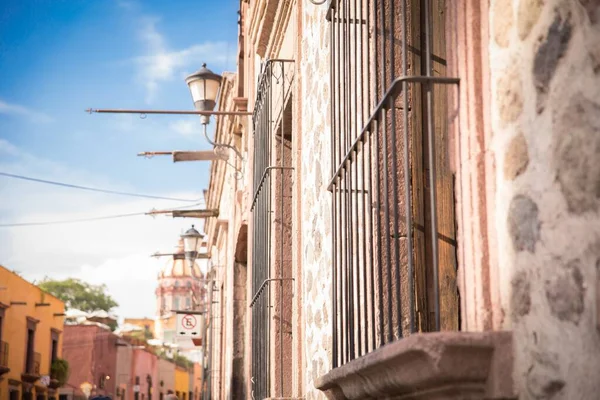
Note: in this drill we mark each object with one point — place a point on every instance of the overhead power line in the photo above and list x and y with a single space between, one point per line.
74 221
68 185
70 221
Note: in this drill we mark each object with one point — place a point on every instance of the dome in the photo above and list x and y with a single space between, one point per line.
179 267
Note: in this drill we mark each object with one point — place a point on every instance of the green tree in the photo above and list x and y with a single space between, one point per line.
80 295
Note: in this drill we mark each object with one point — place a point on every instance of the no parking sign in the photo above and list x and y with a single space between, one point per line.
190 325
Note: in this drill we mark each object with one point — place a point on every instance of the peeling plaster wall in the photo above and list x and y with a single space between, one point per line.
316 200
545 65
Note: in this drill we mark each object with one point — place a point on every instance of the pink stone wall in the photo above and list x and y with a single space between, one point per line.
315 222
143 364
92 353
481 282
544 65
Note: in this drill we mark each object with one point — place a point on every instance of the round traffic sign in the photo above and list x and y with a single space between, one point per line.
188 321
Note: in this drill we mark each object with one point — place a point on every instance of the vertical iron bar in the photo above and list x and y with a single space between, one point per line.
340 76
271 219
386 229
353 207
346 129
408 176
363 187
341 280
396 175
341 143
334 290
351 230
344 86
334 300
254 249
432 172
259 255
371 255
371 223
379 46
343 270
281 274
256 272
350 314
386 226
263 257
336 90
383 49
348 183
379 239
355 232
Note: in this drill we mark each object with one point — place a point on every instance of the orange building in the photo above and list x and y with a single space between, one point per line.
31 323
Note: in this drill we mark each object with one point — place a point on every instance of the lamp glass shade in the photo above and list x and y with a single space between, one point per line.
192 240
204 90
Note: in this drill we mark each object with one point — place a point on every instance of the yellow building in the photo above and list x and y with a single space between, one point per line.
182 382
31 323
147 324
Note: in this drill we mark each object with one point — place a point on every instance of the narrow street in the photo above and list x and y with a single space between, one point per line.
300 199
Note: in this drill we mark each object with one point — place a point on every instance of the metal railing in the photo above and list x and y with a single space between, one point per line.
3 354
33 366
374 99
274 86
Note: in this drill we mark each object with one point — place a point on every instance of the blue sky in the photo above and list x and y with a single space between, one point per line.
58 58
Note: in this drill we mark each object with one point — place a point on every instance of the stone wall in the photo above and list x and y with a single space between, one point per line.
92 353
544 58
316 251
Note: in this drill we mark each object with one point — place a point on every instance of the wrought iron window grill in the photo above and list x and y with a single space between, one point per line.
270 132
377 80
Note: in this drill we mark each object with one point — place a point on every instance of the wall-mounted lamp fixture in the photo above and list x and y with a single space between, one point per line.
204 87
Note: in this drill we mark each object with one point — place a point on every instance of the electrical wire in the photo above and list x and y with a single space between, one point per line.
68 185
70 221
73 221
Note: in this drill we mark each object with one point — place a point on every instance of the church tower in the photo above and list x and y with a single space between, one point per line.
180 287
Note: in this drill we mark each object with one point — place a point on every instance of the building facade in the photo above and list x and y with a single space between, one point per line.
123 375
182 382
144 371
147 326
31 337
415 211
166 377
92 353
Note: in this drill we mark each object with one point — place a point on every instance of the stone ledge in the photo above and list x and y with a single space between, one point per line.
432 366
284 398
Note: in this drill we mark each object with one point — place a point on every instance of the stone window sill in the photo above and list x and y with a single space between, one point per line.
428 366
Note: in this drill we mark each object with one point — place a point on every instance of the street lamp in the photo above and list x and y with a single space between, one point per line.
204 87
192 240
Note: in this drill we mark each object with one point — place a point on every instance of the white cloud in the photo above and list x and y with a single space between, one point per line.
115 251
8 149
161 64
19 110
128 5
185 127
134 273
